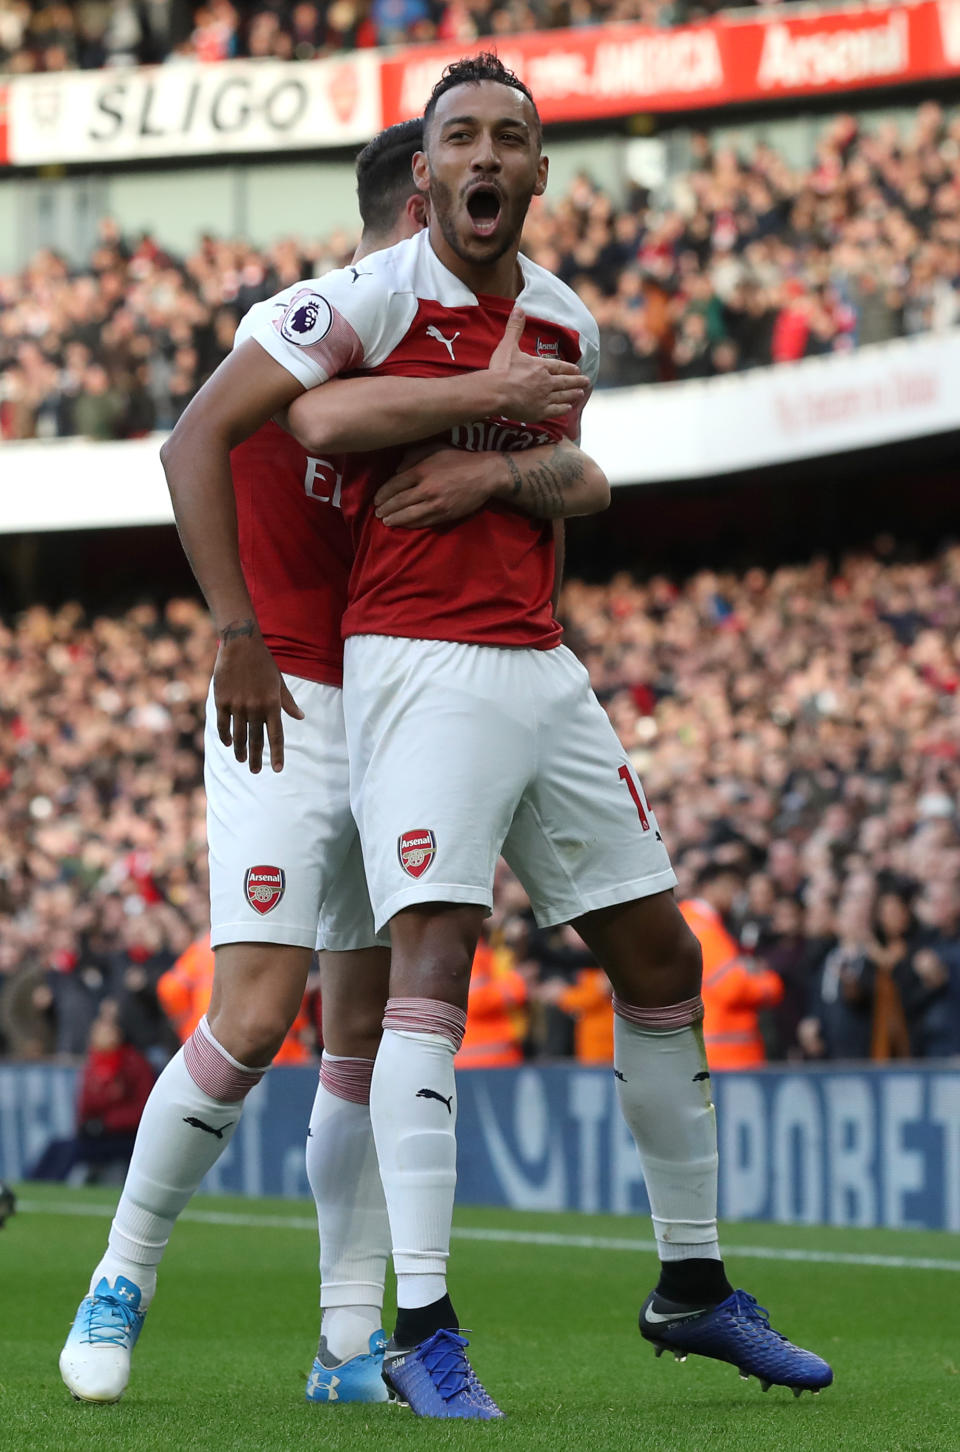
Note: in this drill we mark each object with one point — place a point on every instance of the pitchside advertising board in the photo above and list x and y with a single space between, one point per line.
845 1146
194 109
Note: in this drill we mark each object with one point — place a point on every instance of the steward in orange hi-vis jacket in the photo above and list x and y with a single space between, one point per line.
734 989
496 1011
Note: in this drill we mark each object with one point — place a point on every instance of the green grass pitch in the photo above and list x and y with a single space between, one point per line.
225 1353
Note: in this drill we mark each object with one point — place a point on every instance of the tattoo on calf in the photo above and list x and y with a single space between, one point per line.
543 487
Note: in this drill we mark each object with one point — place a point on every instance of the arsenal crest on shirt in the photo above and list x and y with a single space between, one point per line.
416 851
547 349
264 887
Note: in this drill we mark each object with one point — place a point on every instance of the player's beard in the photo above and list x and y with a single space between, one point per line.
443 207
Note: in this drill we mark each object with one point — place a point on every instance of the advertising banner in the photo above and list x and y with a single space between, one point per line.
586 74
196 109
905 389
856 1146
189 109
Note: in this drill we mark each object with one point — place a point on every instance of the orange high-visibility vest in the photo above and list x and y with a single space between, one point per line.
589 1001
733 991
496 1017
184 994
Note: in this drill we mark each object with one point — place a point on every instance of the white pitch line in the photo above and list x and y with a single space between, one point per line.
522 1237
201 1217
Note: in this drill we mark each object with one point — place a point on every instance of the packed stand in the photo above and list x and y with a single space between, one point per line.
60 35
750 263
102 830
798 734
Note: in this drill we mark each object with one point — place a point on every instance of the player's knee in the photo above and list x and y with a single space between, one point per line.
667 968
354 1030
678 959
252 1033
689 959
440 972
433 951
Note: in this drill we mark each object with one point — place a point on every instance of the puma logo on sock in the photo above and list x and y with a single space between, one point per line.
432 1094
704 1074
621 1077
208 1128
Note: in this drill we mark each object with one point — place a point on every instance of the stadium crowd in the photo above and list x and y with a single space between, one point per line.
800 728
59 35
748 263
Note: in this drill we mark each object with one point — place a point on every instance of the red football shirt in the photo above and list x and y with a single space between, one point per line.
488 579
295 550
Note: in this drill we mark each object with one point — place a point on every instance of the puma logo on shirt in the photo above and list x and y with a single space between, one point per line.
434 332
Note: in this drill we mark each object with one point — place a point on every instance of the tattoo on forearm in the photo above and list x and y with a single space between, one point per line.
237 628
543 486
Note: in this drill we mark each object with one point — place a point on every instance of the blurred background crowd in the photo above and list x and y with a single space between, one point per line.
745 261
797 732
57 35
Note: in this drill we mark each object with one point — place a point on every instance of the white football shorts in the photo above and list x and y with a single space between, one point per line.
284 850
461 752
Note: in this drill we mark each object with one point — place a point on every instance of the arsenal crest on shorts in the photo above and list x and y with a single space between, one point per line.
416 851
264 887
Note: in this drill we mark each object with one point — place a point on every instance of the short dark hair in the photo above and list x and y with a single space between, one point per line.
385 174
713 871
470 71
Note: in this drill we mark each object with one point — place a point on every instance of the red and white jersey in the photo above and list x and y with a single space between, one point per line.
486 580
295 548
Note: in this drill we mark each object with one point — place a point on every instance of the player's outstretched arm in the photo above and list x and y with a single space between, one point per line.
348 415
553 481
245 391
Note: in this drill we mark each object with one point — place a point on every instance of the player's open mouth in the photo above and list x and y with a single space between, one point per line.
483 206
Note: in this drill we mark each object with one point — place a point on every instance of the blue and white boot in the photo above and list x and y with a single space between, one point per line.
357 1379
435 1379
95 1360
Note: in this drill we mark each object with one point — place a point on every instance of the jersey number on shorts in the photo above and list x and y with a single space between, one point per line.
634 791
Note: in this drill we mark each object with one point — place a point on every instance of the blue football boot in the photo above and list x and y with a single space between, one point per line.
738 1331
357 1379
95 1360
435 1379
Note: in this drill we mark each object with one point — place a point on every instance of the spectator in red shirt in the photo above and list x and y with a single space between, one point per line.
792 328
113 1091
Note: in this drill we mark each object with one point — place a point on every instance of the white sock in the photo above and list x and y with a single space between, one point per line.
664 1093
351 1211
172 1155
415 1133
347 1329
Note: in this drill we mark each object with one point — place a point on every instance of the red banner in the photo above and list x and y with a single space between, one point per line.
91 117
616 70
